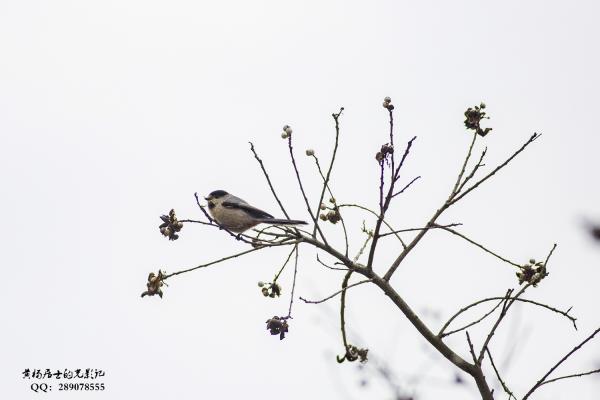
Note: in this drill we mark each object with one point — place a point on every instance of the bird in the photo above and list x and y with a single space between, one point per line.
236 215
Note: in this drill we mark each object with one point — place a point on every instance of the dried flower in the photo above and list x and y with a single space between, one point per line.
532 273
272 289
473 117
387 103
170 225
354 353
155 282
277 326
310 152
332 216
284 135
385 151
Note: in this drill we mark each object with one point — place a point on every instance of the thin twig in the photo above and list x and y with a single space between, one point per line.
506 389
293 282
384 221
462 310
508 302
571 376
343 315
214 262
450 201
478 245
407 186
312 216
284 264
549 254
444 334
335 205
473 171
364 246
391 114
471 348
268 180
334 294
196 222
543 378
386 204
328 266
436 226
498 168
328 176
464 166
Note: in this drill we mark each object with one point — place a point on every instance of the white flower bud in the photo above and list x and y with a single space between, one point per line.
284 135
387 99
288 130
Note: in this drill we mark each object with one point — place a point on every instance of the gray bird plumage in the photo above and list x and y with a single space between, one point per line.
236 215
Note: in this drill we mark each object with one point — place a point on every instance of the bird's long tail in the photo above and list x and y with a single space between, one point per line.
275 221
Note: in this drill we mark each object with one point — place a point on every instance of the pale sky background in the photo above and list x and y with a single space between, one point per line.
113 112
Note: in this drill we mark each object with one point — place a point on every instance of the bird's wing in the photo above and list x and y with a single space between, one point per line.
242 205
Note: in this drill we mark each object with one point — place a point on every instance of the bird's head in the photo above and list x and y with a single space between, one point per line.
215 198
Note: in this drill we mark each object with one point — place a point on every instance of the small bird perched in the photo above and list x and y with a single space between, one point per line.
236 215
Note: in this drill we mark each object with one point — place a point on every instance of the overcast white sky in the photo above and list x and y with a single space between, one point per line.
113 112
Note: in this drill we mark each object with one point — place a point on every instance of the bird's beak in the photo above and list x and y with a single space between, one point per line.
207 198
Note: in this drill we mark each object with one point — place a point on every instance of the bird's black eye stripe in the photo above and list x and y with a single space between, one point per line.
218 193
211 205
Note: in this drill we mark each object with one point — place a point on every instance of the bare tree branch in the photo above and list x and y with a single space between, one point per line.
220 260
385 204
334 294
452 199
498 168
443 334
328 266
508 302
326 183
569 354
436 226
452 231
285 263
595 371
262 166
464 166
407 186
462 310
312 216
376 215
504 386
293 282
328 176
